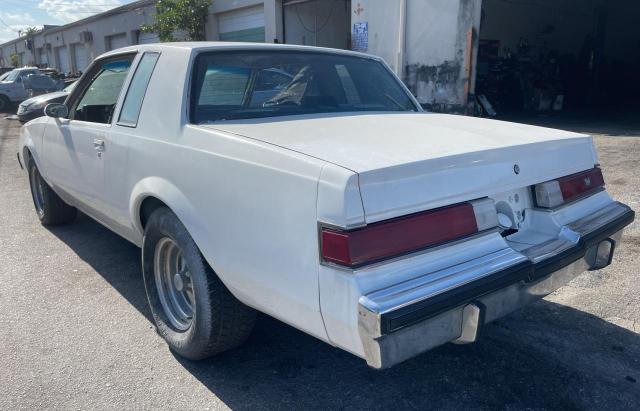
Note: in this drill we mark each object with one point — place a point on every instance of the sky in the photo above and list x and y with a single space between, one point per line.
17 14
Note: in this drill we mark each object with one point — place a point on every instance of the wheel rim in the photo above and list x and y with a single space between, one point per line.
37 191
174 284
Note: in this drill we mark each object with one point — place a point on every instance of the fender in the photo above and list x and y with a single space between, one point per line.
165 191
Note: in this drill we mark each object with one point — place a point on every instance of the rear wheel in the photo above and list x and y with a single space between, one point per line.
193 311
50 208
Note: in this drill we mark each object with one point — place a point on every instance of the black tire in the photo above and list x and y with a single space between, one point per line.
5 103
219 321
50 208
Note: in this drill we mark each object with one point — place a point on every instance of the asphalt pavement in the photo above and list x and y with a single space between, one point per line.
76 333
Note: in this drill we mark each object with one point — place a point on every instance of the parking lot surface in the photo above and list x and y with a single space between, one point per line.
75 331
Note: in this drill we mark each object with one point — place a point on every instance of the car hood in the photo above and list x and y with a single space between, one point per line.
45 98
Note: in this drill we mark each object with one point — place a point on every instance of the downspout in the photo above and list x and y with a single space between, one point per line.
402 35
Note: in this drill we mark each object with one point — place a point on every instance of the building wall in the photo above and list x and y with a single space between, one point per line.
127 23
434 53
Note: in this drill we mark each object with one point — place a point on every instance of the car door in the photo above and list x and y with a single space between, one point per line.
77 147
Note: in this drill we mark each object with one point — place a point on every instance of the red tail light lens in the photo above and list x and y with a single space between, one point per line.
556 192
398 236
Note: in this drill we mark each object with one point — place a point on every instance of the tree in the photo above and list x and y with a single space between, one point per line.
15 59
188 16
30 31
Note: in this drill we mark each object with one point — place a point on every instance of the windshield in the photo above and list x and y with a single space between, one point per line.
11 76
5 75
252 84
14 74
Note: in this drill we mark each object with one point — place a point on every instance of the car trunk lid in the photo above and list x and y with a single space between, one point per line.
409 162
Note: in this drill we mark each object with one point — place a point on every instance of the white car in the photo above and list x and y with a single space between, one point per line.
333 203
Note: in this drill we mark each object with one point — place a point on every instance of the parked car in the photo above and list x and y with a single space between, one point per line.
34 107
11 87
336 206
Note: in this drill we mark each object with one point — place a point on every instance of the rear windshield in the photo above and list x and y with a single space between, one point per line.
253 84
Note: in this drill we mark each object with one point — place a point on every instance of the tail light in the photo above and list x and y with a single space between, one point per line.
557 192
407 234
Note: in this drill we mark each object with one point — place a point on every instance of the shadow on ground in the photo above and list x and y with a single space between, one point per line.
546 356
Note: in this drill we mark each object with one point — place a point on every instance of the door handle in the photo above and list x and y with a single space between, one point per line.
98 145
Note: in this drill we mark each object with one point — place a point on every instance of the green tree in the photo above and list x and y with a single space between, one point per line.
188 16
15 59
30 31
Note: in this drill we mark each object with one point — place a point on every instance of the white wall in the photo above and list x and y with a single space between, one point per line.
432 53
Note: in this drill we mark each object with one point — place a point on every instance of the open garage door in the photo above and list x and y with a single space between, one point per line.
242 25
322 23
62 54
81 57
550 56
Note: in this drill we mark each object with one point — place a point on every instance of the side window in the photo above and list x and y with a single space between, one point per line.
97 103
137 89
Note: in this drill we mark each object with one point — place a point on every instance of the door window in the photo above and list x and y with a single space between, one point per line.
137 89
99 98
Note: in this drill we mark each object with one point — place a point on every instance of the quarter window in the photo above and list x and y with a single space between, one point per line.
137 89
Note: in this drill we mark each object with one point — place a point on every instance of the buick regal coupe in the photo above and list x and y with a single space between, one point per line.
308 184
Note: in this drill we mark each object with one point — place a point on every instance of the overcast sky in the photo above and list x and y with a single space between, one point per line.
18 14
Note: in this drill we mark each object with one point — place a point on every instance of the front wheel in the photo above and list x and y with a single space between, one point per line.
193 310
50 208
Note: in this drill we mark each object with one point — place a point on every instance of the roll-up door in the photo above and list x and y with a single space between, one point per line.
81 57
242 25
146 38
117 41
63 59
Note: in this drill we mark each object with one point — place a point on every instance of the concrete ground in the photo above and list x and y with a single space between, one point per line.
75 331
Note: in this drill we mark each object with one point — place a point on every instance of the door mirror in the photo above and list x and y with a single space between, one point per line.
56 110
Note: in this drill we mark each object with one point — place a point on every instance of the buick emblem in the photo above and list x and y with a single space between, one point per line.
587 181
516 169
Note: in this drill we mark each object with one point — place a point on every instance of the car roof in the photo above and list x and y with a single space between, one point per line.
228 45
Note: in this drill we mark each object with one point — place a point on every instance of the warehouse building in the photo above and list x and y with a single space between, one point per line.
470 56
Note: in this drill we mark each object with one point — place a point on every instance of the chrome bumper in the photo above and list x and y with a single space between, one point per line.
401 321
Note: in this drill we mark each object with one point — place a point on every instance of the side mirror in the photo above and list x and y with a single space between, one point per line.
56 110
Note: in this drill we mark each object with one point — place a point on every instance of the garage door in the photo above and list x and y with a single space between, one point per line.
42 56
146 38
117 41
242 25
81 57
63 59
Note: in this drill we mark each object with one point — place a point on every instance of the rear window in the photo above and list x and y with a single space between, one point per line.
253 84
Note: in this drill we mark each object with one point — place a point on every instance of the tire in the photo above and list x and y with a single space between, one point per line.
214 321
5 103
50 208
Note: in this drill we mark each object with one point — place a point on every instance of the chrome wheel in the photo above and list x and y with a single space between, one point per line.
37 191
174 285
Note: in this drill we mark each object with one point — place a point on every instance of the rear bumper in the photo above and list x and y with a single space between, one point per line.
401 321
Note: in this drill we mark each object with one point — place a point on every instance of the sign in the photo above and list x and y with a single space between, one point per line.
360 36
